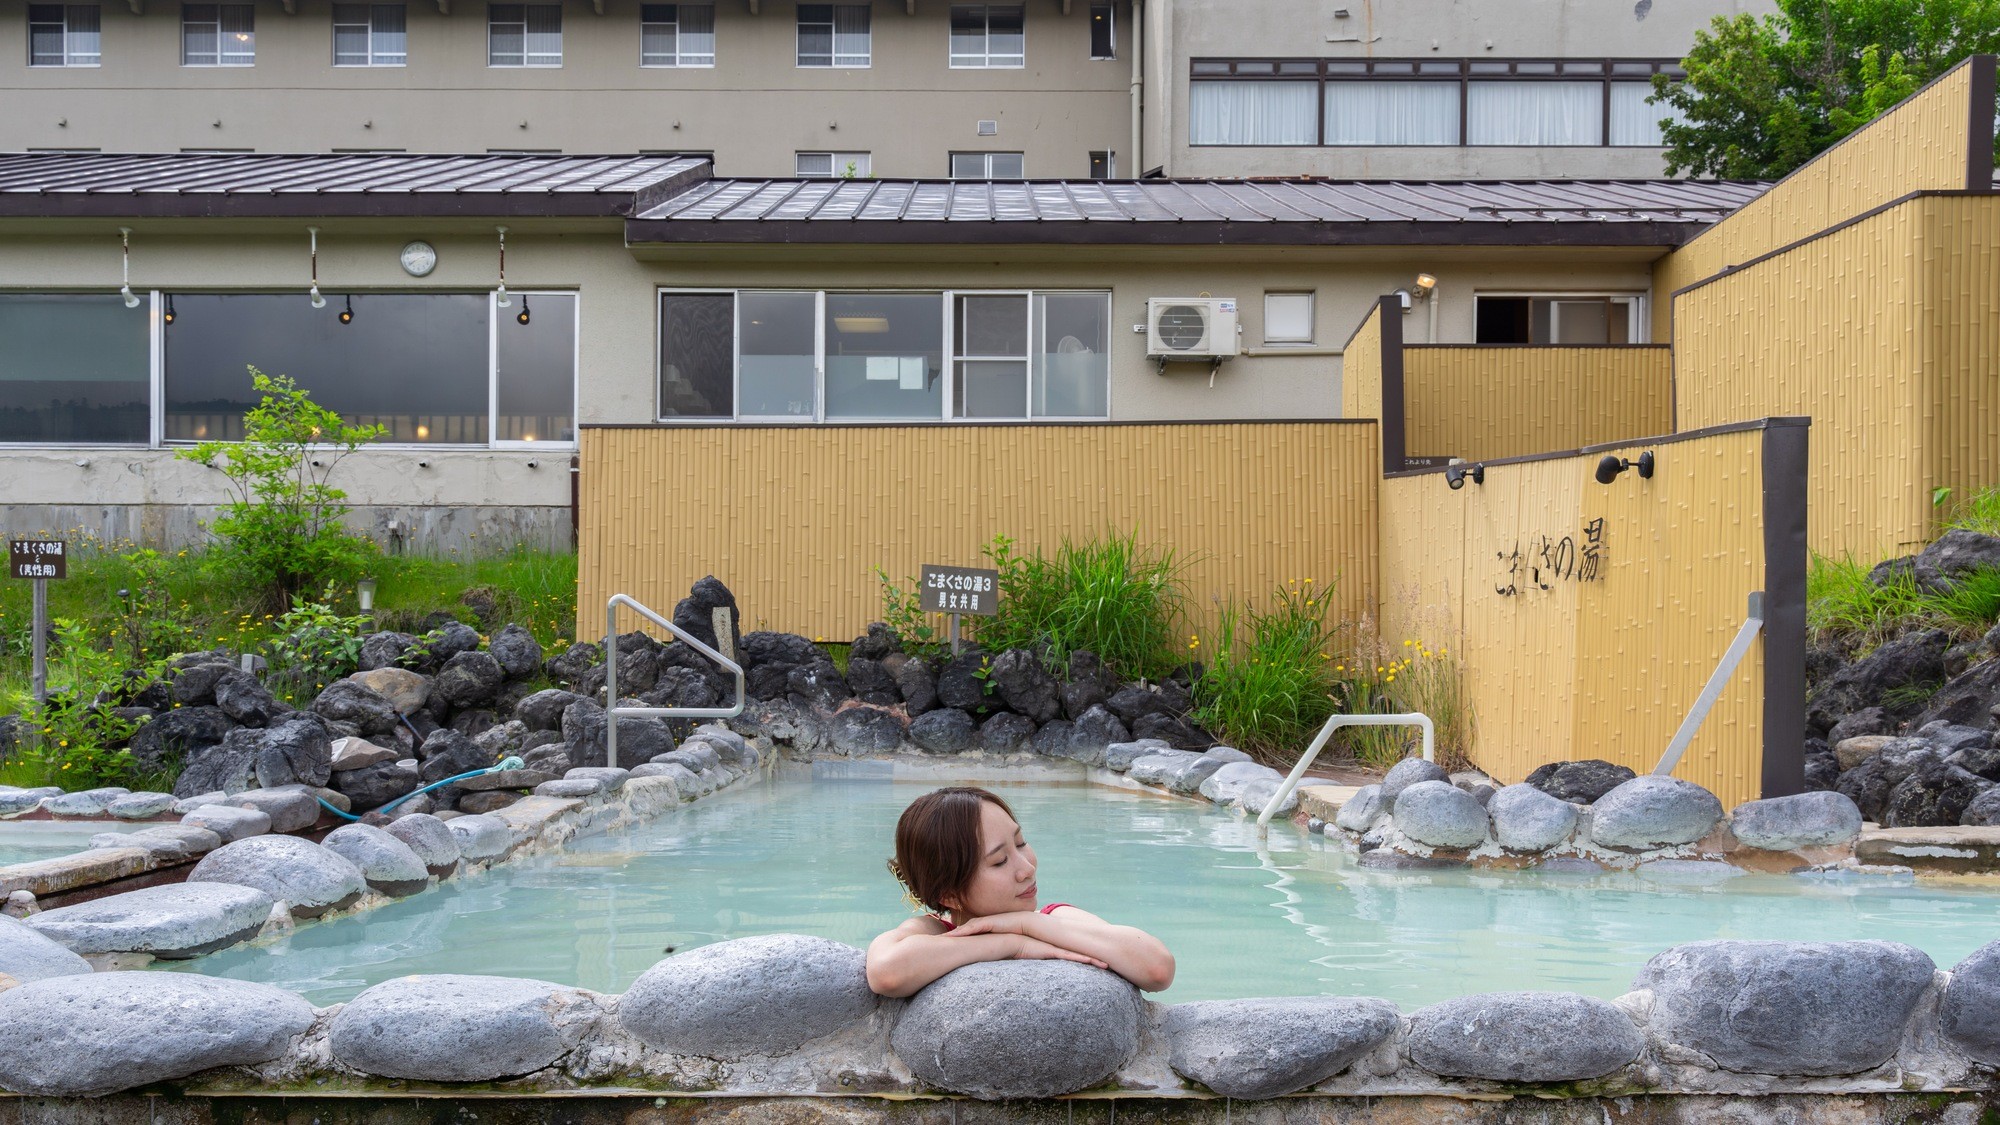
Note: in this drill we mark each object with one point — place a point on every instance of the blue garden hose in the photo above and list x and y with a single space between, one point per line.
502 764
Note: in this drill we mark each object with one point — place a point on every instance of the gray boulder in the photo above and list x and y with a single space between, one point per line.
1019 1029
384 650
1983 811
1936 792
1440 815
640 738
83 802
1654 812
1260 792
611 778
1094 731
574 663
1188 777
1360 812
1025 685
481 837
1869 783
944 731
447 753
16 802
1851 752
182 734
388 864
1971 1011
405 690
80 1036
371 787
434 844
1580 782
1913 658
1803 820
1267 1048
1524 1037
350 701
228 822
1226 786
1787 1007
1119 756
1155 768
1053 739
244 698
306 877
731 747
916 682
295 750
1527 819
544 709
172 922
517 652
751 996
292 808
27 954
1006 733
470 678
864 731
173 843
579 788
230 766
449 1028
1406 773
358 753
696 756
194 684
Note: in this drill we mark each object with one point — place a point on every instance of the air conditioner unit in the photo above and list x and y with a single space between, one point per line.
1191 328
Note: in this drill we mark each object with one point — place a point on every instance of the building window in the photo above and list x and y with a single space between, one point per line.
830 165
833 35
987 166
434 368
63 35
1103 31
369 35
218 35
76 369
1558 319
1103 165
1288 318
524 35
679 35
1425 102
988 35
806 356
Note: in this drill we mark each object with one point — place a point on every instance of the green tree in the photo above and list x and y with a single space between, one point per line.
1762 97
283 530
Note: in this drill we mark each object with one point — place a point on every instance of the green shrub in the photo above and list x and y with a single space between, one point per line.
282 532
1109 596
314 646
72 742
902 611
1270 682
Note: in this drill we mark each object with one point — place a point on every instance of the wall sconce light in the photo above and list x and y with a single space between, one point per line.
522 316
364 594
125 257
170 314
318 301
1426 283
500 297
1609 468
1457 475
347 314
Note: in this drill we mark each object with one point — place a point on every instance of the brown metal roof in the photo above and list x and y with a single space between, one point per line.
1332 212
198 185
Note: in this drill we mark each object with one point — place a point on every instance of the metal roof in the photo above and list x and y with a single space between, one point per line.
1303 211
143 185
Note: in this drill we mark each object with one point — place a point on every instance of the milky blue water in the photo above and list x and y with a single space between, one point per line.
24 841
1292 915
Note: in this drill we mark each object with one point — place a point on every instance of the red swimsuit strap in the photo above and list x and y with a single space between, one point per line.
1051 908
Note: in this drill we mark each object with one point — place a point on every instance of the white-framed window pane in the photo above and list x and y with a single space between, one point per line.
350 35
1006 166
1391 113
992 389
1288 318
544 35
813 165
81 34
851 46
697 355
968 34
992 325
659 36
388 35
815 35
968 165
777 333
1253 113
884 355
1103 31
987 35
45 35
534 370
1072 377
1534 113
1633 122
198 35
238 35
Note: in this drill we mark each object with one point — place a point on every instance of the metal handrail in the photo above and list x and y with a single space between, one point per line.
1409 719
612 712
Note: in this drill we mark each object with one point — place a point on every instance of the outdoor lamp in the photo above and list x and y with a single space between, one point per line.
364 594
347 314
1456 475
1609 468
169 315
1425 284
522 316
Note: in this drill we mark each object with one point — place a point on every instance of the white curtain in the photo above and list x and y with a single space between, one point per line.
544 41
1534 113
239 34
1391 113
1253 113
1633 122
850 35
697 34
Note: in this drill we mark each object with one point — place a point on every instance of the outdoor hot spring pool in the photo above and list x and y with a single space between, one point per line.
1291 916
25 841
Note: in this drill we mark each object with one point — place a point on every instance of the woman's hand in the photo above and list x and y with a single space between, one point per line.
1031 950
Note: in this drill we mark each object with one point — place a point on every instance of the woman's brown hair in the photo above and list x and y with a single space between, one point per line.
937 843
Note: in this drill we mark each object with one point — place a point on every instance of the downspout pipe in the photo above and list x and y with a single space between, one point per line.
1137 155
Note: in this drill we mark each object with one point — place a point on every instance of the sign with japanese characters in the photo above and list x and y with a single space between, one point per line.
960 589
37 558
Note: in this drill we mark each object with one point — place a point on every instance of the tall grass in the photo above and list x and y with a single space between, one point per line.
1106 595
1270 681
1381 675
1841 601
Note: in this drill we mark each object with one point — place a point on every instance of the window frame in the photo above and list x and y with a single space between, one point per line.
1639 328
953 357
862 171
680 56
950 358
70 57
1312 319
1110 11
524 64
221 57
1110 163
402 58
987 176
832 23
1605 71
986 56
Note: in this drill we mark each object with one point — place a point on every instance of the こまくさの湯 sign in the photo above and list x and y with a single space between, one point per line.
37 558
959 589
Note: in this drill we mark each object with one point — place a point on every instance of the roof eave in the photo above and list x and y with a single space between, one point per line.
1662 235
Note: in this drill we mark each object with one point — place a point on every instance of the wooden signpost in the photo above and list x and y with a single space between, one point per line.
39 560
959 590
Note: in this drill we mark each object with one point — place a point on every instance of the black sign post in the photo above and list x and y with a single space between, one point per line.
958 590
39 560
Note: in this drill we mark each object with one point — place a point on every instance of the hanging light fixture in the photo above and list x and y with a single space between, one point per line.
170 314
500 297
522 316
125 251
347 314
318 301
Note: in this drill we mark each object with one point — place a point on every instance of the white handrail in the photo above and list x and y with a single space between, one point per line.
611 709
1410 719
